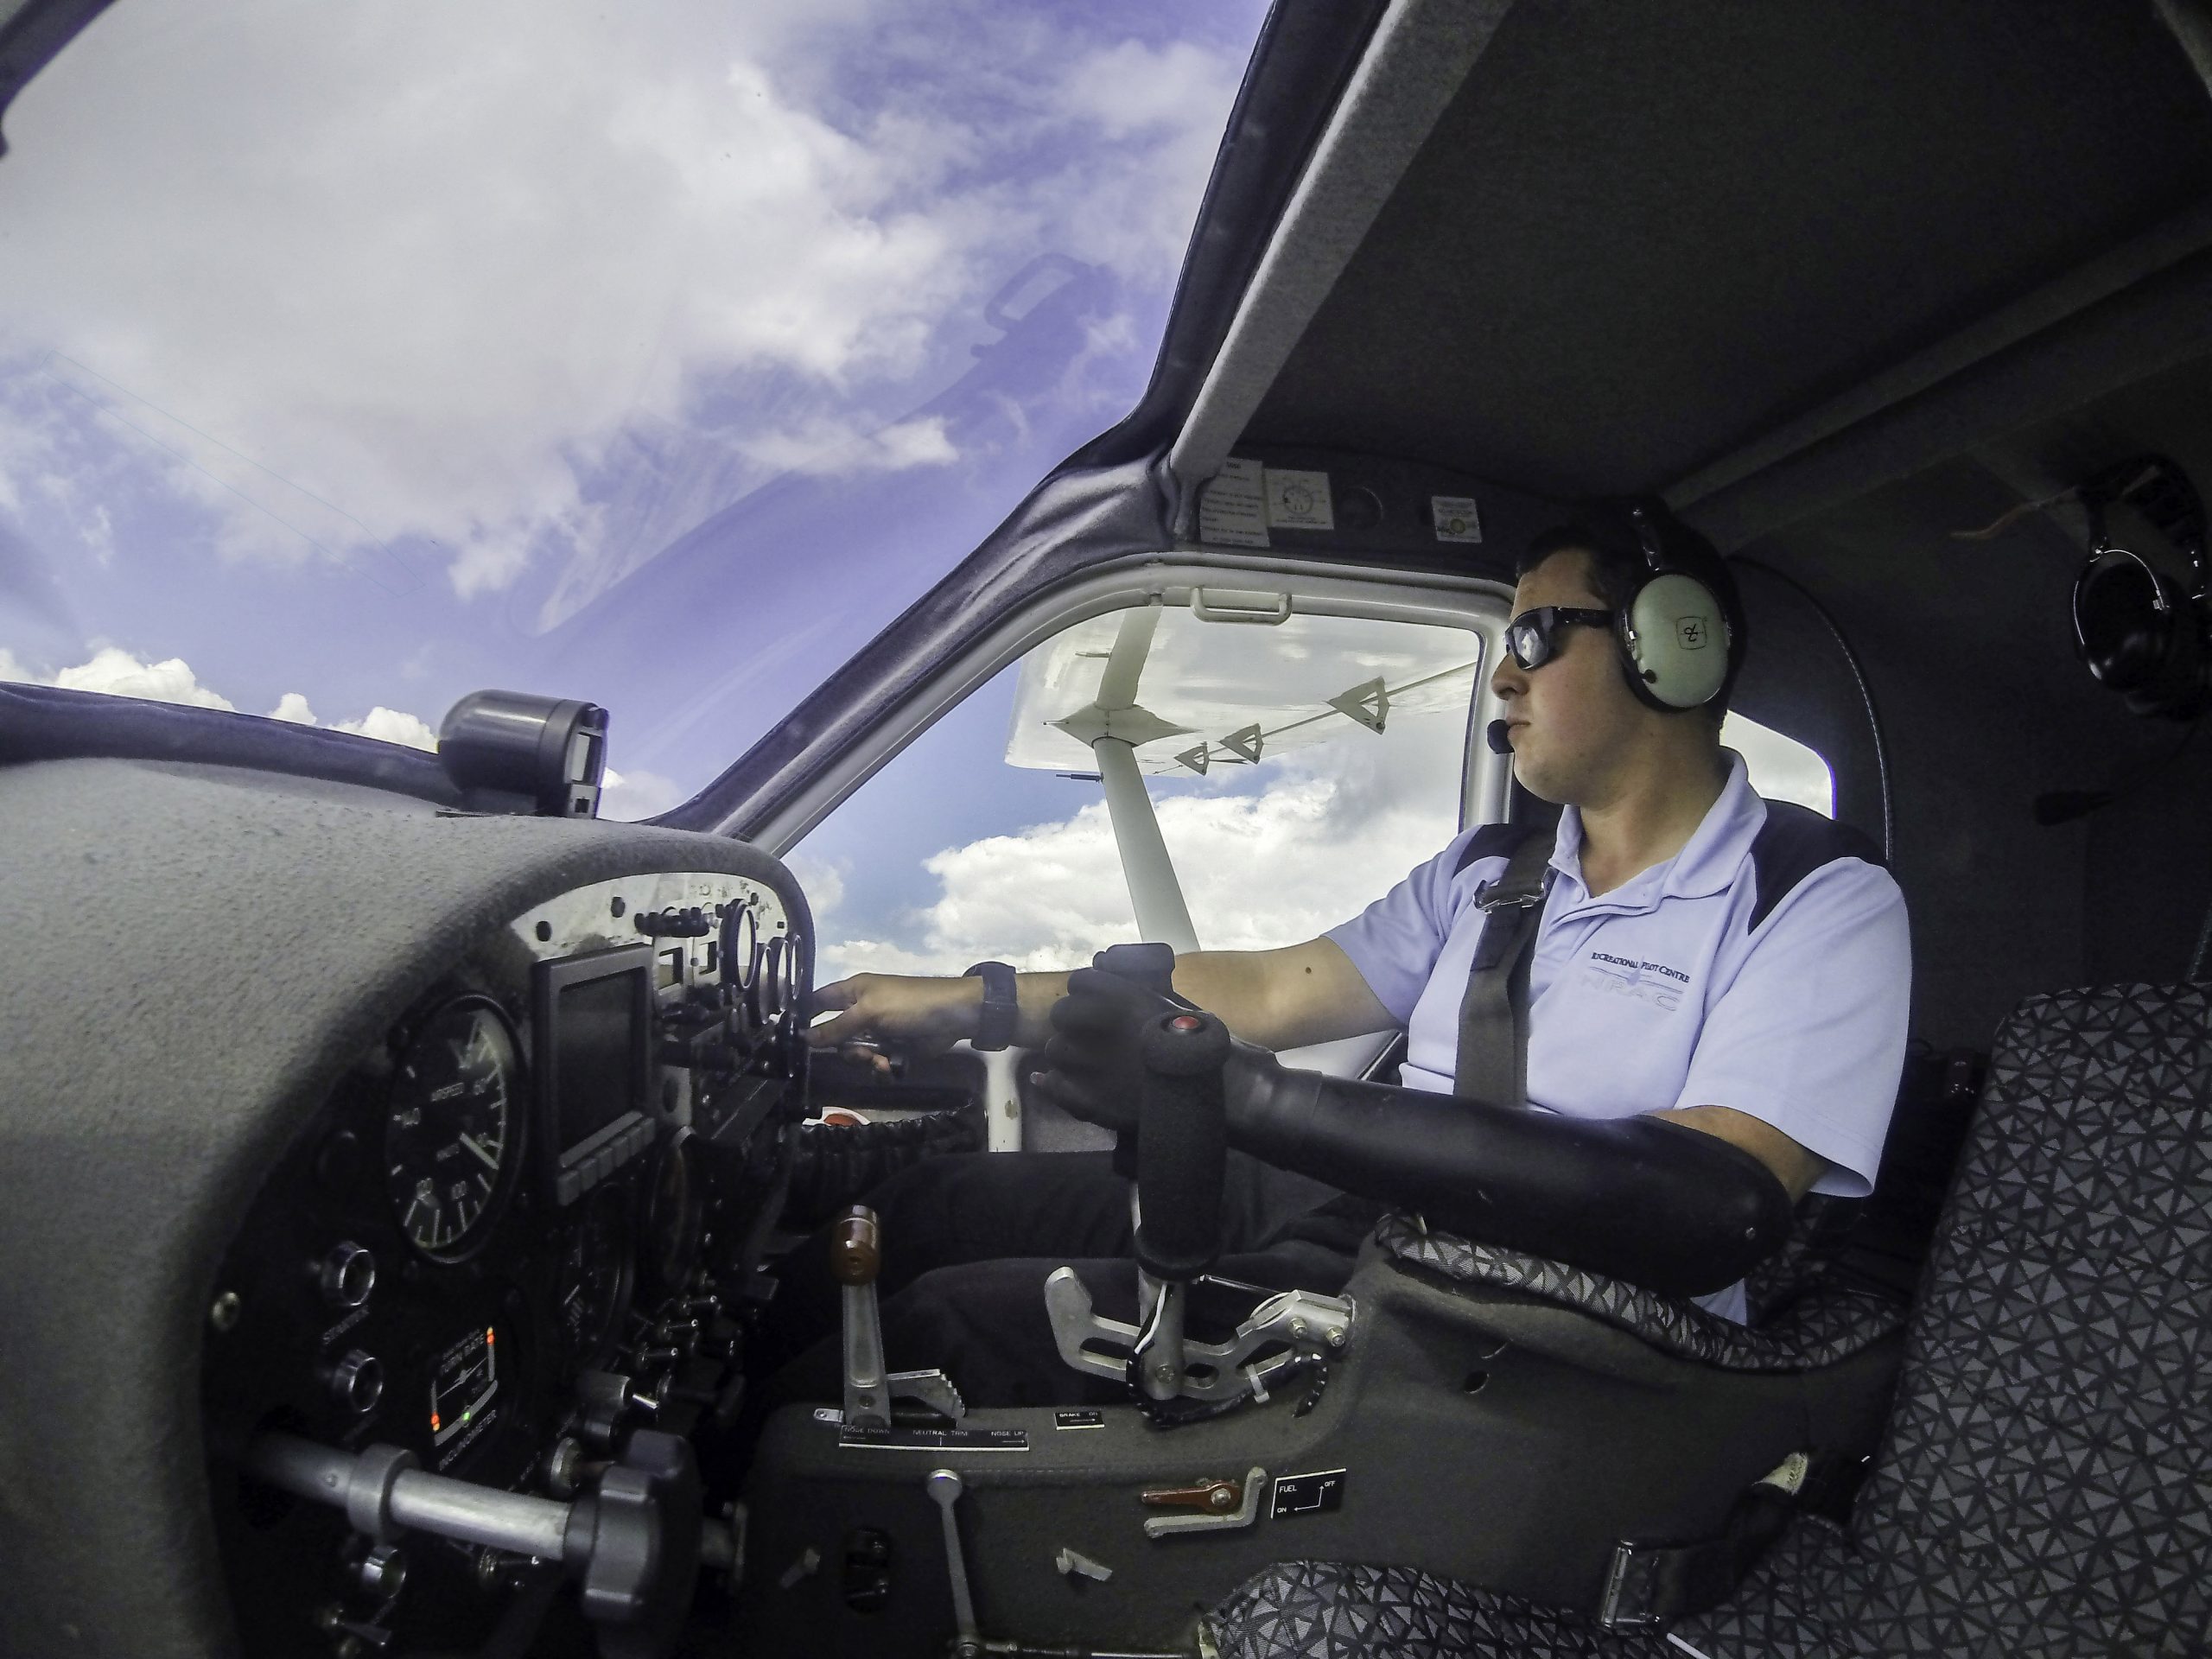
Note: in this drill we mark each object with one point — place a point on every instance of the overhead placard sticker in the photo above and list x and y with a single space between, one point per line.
1455 518
1232 507
1299 501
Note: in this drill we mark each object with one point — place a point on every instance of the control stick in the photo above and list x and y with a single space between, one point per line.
1182 1155
1180 1158
855 1259
636 1541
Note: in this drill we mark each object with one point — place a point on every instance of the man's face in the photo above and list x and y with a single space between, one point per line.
1571 718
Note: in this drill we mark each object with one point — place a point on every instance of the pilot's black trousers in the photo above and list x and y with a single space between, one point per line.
968 1241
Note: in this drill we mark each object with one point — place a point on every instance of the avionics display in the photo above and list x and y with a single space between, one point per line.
593 1018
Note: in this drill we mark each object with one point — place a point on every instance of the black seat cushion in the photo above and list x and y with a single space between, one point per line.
2044 1487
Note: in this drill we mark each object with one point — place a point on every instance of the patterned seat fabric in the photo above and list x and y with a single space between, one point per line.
1325 1609
1822 1325
2044 1487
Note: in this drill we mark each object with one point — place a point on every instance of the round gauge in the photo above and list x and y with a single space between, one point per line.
453 1130
671 1228
741 946
769 995
593 1292
789 968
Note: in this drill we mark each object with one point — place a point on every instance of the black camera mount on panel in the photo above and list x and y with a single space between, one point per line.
528 754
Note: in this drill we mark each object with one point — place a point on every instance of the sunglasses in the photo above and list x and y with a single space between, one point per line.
1533 636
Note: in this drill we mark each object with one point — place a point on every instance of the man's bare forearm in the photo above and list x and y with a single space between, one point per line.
1230 984
1278 999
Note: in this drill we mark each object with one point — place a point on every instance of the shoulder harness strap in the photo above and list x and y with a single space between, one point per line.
1492 1062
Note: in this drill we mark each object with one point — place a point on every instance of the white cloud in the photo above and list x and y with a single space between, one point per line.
118 673
839 449
390 726
1258 871
637 794
361 276
487 565
1132 87
822 883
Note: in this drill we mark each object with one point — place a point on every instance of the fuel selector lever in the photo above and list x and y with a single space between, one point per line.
635 1541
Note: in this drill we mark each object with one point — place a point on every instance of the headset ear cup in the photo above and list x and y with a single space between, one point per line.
1676 642
2120 623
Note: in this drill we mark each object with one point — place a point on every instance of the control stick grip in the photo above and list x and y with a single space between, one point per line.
1152 966
1183 1148
856 1248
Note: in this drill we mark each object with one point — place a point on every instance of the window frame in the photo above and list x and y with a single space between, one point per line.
1476 604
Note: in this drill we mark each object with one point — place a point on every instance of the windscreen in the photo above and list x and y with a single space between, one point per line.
360 355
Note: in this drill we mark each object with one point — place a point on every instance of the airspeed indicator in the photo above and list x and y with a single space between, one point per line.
453 1129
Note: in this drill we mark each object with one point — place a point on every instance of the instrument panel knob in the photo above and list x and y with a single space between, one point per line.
347 1275
381 1573
356 1381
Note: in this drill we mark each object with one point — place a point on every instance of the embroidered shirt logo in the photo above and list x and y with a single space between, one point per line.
1647 981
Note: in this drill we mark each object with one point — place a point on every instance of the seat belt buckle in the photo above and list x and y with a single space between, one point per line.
1497 895
1626 1603
1507 917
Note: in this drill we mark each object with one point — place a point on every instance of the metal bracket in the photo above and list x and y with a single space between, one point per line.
1297 1318
1246 1512
1610 1616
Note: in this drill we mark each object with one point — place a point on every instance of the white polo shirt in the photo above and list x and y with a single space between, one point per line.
1765 968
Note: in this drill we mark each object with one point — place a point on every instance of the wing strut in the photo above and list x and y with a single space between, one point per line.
1113 727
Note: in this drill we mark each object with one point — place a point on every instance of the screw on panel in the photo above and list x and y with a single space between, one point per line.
224 1316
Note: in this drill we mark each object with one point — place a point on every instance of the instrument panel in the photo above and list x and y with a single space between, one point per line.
515 1229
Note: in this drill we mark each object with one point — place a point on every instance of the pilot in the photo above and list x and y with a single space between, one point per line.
1715 1011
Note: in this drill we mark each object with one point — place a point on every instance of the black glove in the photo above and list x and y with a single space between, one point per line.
1094 1061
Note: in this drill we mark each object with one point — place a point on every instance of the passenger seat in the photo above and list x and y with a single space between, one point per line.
2043 1488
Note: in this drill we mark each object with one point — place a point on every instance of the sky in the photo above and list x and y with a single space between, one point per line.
361 354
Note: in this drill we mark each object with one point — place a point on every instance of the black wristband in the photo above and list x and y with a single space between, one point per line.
996 1025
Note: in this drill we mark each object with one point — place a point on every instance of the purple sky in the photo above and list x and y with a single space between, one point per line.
658 358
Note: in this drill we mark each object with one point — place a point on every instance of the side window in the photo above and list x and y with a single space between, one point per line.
1297 771
1781 768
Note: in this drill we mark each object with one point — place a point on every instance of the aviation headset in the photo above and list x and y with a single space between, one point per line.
2137 630
1676 641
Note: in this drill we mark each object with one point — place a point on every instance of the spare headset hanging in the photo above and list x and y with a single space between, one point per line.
2137 629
